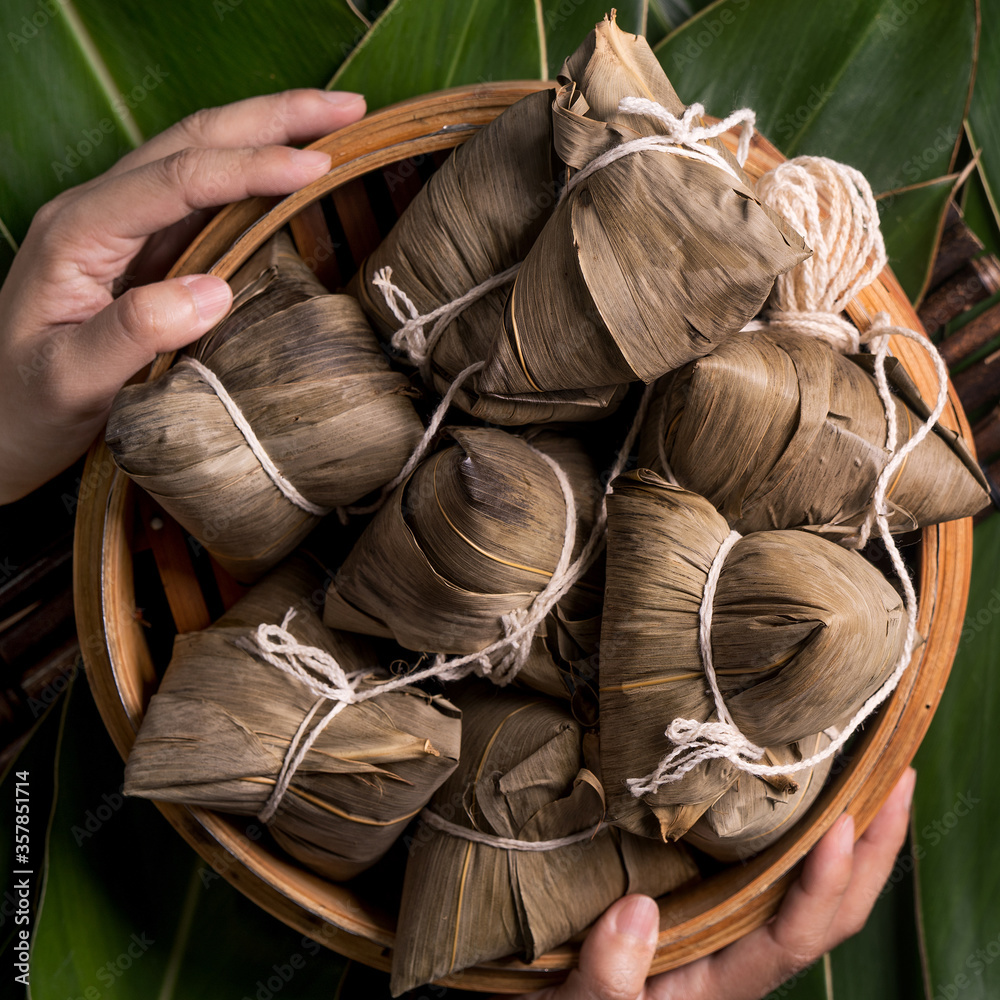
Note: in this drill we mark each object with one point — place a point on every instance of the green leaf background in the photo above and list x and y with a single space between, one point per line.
882 84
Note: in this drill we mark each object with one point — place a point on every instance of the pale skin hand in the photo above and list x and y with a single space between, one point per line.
830 901
67 344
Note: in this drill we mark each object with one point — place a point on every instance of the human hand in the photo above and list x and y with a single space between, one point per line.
67 344
830 901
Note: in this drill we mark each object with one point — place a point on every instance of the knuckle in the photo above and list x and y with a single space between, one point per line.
181 168
197 126
50 212
139 316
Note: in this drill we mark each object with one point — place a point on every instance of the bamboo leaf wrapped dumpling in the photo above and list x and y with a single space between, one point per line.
305 371
756 812
803 631
660 257
525 776
466 541
777 431
476 217
219 728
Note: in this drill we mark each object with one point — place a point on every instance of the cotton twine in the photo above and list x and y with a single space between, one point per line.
832 206
287 489
685 137
810 297
437 822
500 661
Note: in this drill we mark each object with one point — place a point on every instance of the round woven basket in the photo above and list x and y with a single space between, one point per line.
378 165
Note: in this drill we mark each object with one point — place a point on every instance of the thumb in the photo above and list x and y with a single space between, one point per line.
143 322
615 958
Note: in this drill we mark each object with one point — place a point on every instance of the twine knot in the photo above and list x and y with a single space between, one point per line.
684 138
312 666
687 131
410 339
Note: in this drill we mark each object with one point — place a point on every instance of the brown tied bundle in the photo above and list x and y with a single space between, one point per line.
756 812
218 732
802 633
476 218
305 371
779 431
525 777
472 537
660 256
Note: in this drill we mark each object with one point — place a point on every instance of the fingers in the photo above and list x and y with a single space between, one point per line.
830 901
802 927
874 856
615 958
133 329
143 201
765 958
287 118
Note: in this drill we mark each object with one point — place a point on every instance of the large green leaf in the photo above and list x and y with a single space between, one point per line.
862 81
665 16
956 806
415 47
978 212
984 110
129 912
88 80
911 221
568 22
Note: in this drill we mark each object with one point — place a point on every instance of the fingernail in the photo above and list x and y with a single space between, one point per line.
845 835
343 98
638 917
310 159
211 295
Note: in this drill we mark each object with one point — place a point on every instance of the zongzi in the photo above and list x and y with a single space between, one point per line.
325 420
223 723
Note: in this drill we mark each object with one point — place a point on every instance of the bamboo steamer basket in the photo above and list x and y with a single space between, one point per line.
377 168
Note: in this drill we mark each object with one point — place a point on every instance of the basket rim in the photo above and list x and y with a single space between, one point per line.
694 924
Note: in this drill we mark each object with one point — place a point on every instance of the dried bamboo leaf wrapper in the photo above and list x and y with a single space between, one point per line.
523 776
474 534
306 371
660 256
476 217
779 431
803 631
218 730
756 812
